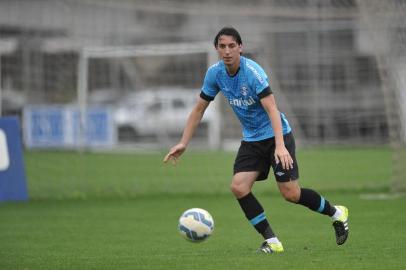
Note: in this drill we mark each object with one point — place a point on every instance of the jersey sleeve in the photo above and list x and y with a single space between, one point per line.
266 92
257 78
209 88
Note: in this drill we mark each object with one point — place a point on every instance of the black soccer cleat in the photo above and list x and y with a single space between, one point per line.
341 226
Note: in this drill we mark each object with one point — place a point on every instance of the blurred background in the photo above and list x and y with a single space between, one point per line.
122 75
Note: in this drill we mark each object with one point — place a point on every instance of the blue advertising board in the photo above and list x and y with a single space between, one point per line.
12 172
46 127
61 127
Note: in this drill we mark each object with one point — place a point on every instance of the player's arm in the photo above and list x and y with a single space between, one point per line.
281 153
192 122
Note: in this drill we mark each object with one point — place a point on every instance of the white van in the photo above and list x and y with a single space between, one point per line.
154 112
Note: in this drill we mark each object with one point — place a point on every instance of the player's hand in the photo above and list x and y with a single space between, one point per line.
174 153
282 155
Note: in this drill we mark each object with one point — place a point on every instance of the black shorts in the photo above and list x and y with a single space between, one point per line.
259 156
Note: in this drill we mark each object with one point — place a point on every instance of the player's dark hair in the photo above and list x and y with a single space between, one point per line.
228 31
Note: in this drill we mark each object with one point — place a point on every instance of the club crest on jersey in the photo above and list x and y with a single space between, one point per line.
244 90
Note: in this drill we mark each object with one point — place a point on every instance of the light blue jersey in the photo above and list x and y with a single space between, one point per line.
241 91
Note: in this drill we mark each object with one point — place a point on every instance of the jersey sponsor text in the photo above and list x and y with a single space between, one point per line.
240 102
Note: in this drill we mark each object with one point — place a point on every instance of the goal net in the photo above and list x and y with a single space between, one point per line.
163 83
123 74
384 25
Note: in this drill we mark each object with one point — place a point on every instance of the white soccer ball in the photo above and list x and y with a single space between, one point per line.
196 224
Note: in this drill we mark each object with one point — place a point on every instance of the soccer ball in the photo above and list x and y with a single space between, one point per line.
196 224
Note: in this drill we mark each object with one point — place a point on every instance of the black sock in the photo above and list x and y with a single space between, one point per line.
255 214
315 202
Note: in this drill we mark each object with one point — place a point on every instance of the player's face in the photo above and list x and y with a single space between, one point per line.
229 51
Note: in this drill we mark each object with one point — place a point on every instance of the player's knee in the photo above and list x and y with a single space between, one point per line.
291 195
239 190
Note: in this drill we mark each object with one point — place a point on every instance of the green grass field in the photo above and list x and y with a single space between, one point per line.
120 211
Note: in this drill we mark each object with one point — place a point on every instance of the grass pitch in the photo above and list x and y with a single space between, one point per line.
114 211
64 175
141 233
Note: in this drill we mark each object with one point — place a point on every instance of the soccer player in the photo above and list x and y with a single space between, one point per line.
267 139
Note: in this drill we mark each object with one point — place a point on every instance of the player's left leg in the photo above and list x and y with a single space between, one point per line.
289 187
292 192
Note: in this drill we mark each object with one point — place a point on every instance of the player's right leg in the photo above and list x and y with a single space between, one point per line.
241 187
269 247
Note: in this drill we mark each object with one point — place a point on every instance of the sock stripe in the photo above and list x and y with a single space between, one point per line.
321 207
258 219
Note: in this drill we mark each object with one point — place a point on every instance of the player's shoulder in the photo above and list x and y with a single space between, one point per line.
214 71
254 69
216 67
252 65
